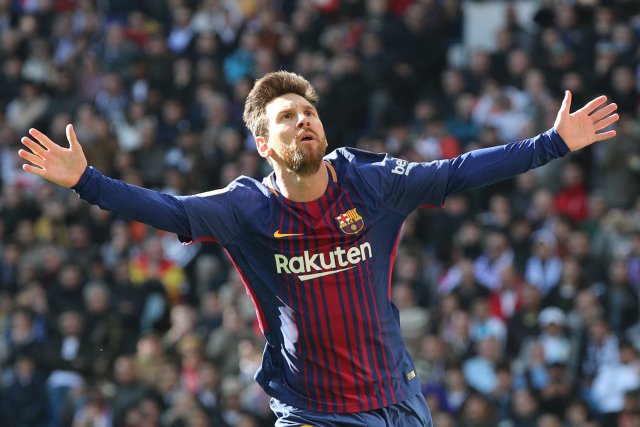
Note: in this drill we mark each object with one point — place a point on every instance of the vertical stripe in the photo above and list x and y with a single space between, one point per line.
310 313
362 309
376 315
391 390
294 227
293 297
391 264
316 287
329 289
372 348
348 323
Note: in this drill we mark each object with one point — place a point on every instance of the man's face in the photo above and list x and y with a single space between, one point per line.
296 134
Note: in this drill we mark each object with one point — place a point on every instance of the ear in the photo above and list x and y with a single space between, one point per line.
262 145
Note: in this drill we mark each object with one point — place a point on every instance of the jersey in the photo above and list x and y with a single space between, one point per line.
319 273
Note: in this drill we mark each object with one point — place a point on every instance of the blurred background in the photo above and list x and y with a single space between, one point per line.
519 302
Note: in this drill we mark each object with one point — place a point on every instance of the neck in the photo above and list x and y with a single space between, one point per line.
302 188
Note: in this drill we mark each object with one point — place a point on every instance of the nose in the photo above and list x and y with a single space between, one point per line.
303 121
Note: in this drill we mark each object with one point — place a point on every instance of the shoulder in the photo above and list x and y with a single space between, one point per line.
243 195
354 161
354 156
243 186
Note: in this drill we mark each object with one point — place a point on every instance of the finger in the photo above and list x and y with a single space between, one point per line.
565 108
71 137
42 139
592 105
607 121
35 148
605 135
603 112
34 170
32 158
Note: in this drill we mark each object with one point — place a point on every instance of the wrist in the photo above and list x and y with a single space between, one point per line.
79 185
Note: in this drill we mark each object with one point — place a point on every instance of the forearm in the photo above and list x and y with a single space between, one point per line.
159 210
489 165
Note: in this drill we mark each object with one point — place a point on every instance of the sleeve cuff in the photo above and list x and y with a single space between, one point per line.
561 147
86 175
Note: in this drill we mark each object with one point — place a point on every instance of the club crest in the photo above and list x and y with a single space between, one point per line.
350 222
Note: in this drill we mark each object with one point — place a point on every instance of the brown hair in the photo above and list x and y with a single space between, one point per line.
269 87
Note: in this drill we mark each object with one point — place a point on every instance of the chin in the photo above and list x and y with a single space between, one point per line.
304 160
307 169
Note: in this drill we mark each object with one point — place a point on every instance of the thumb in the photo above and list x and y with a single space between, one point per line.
565 108
72 138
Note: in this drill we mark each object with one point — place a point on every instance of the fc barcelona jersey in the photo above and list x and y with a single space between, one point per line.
319 273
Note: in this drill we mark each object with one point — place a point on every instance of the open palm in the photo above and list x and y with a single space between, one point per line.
60 165
583 127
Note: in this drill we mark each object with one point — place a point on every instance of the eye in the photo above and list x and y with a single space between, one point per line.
286 116
308 113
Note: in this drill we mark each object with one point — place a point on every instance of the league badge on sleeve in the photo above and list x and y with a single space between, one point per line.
350 222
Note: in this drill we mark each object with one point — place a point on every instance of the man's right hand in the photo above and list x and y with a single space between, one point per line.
60 165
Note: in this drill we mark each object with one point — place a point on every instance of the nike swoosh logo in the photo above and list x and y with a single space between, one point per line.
306 277
279 235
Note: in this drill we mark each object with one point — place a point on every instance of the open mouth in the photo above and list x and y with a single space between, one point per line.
306 138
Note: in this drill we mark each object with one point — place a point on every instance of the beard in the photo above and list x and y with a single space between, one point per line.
304 160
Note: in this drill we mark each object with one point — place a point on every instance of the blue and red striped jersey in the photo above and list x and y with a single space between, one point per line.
319 273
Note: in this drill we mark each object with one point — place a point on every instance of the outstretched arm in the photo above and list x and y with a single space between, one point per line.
68 167
571 132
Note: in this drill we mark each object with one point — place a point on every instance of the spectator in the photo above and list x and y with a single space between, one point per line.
613 380
477 411
67 360
497 256
525 408
559 390
457 389
524 322
618 299
111 100
467 289
431 362
29 107
66 292
480 371
24 392
129 389
507 299
571 199
222 344
413 318
571 282
149 356
104 329
553 336
601 349
95 411
544 267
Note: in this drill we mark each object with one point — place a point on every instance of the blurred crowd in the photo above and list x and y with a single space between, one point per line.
519 302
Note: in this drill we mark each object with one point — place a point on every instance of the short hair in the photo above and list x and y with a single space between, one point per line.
269 87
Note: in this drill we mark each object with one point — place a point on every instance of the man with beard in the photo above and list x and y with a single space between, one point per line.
315 241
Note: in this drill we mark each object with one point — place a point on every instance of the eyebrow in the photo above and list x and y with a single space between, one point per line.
289 109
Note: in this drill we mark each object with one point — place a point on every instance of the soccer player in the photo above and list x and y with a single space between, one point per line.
315 242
